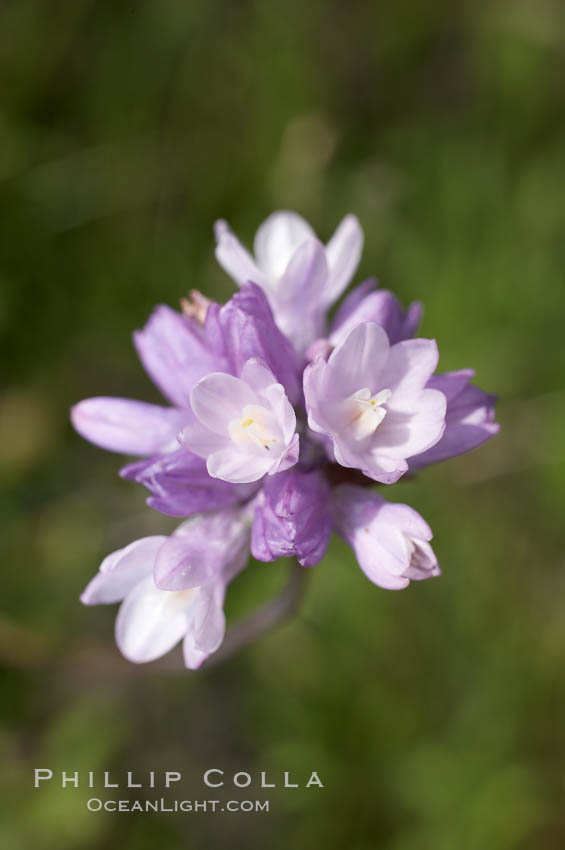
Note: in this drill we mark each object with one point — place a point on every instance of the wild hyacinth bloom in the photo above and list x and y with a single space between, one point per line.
245 328
173 588
469 418
244 427
300 276
366 303
370 398
177 351
281 422
180 485
293 517
391 541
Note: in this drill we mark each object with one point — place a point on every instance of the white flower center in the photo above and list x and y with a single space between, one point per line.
181 598
257 428
365 412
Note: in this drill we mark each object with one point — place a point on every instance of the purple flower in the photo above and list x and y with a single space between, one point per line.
293 518
204 547
176 353
245 328
367 304
245 427
124 425
469 420
371 399
245 380
391 541
152 620
300 277
180 485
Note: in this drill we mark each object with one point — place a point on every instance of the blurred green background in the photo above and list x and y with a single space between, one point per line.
436 716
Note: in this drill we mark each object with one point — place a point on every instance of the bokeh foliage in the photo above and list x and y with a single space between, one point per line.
434 716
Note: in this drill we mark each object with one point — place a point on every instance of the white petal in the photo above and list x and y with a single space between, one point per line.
409 366
302 285
359 361
200 440
209 622
380 467
283 410
237 261
257 375
298 303
315 396
407 519
289 458
407 434
121 571
151 622
208 628
218 398
343 253
236 466
383 555
208 547
193 657
277 239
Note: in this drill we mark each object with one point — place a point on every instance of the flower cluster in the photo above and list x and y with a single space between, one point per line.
279 419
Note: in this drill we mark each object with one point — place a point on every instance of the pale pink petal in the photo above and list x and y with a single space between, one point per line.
209 622
289 458
257 374
238 467
298 300
121 571
124 425
282 408
176 352
378 466
236 260
409 366
198 439
383 556
208 547
407 519
218 398
406 434
343 252
207 629
359 362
